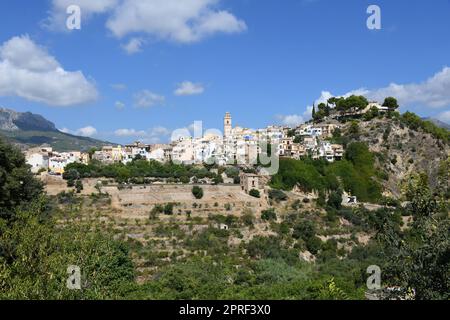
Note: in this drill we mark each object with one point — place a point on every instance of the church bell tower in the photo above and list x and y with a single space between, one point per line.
227 126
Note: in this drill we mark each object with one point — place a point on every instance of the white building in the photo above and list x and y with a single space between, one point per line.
37 161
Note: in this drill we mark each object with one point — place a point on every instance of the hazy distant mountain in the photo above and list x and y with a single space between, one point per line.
439 123
27 129
11 120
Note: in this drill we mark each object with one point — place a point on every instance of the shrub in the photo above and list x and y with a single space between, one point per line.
335 199
79 186
248 219
313 244
197 192
155 211
255 193
305 230
168 209
277 195
269 214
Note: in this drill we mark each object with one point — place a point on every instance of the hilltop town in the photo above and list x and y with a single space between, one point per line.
208 201
237 146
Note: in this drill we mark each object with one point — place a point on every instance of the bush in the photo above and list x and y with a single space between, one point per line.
168 209
335 199
248 219
255 193
269 214
414 122
277 195
197 192
79 186
305 230
157 209
313 245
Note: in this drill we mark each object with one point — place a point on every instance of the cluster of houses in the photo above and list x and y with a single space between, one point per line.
237 146
45 159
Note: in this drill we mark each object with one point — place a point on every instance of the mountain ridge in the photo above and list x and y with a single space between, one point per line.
26 129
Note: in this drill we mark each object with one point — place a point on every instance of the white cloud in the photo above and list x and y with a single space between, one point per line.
188 88
432 93
153 135
292 120
159 131
28 71
119 105
324 96
88 131
130 133
444 116
87 6
146 99
119 86
307 115
133 46
157 135
179 21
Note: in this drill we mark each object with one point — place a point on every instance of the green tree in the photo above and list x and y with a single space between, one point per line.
356 103
391 103
371 114
79 186
35 254
335 199
419 257
197 192
18 185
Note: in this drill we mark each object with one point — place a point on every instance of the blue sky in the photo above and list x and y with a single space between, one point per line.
264 61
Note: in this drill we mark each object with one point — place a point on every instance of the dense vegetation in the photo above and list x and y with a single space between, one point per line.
137 170
35 250
17 185
355 174
42 236
414 122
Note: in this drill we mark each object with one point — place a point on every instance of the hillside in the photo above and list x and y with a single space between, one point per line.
27 130
438 123
164 242
400 149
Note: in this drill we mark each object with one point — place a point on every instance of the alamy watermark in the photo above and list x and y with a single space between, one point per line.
74 280
213 148
374 20
374 280
73 21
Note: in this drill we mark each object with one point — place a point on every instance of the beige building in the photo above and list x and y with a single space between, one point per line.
249 181
328 129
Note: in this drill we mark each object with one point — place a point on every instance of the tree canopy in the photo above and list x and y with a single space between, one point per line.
17 184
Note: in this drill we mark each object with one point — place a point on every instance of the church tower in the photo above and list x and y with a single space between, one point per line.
227 126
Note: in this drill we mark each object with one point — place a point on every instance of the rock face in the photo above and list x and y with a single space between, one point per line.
11 120
401 151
